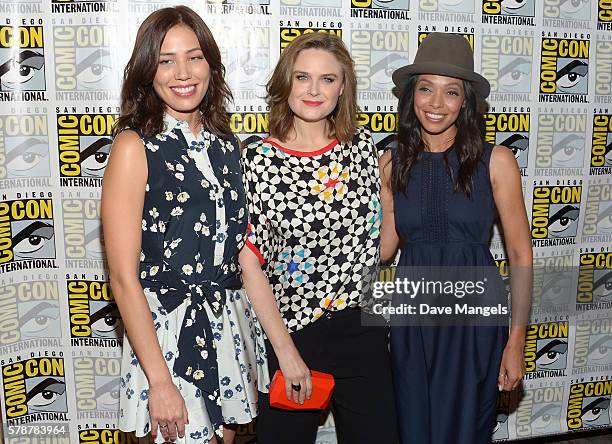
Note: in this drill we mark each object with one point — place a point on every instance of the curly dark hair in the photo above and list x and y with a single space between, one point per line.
468 143
140 106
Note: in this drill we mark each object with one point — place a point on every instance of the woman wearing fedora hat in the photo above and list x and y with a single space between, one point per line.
444 184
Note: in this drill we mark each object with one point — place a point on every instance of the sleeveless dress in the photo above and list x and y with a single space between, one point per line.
193 225
446 377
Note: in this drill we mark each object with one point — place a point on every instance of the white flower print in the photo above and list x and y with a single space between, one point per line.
169 166
225 169
197 227
153 270
234 195
142 256
199 267
187 269
241 212
167 253
175 243
144 225
182 197
176 211
212 195
154 213
179 176
198 374
205 183
180 168
152 147
153 228
162 226
200 341
204 354
161 137
203 217
185 158
169 195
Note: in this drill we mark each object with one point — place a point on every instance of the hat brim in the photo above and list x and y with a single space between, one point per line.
401 75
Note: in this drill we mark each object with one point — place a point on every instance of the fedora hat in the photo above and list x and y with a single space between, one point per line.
444 55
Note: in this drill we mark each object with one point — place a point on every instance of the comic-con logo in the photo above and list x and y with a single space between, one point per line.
84 65
311 8
245 7
382 125
24 149
593 346
546 349
467 33
34 389
106 436
598 214
247 61
604 15
589 405
30 310
560 144
553 276
83 240
508 12
377 53
603 70
595 281
555 211
79 6
249 127
557 13
456 6
292 29
539 411
94 316
506 63
25 7
510 129
381 9
502 412
84 143
96 382
27 234
601 145
564 69
22 63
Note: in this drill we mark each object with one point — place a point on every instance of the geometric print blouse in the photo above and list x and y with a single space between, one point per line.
314 223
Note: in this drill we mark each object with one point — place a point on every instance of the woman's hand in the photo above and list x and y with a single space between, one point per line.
512 367
296 372
167 410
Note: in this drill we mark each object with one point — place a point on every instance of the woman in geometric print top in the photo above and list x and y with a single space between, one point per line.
315 218
174 221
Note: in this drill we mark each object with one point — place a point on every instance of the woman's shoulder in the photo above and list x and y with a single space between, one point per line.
256 148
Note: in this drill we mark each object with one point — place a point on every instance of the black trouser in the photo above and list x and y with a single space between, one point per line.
362 401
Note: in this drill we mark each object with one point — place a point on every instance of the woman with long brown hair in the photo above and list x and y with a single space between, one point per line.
174 217
314 205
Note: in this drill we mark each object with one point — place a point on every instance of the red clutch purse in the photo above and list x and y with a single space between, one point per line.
322 387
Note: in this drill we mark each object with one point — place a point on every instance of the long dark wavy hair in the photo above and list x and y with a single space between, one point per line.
468 143
140 106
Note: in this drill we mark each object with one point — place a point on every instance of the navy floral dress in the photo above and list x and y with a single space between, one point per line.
193 226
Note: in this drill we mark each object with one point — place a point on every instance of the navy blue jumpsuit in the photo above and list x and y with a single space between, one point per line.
446 377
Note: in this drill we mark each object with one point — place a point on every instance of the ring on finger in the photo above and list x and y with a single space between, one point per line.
297 387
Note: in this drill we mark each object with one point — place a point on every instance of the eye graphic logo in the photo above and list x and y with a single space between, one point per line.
567 10
35 387
377 54
84 62
469 37
553 278
593 346
24 146
555 211
523 8
30 311
564 68
84 142
560 144
601 146
96 383
546 348
598 215
506 63
381 9
22 62
289 34
539 412
83 240
93 313
247 60
383 127
27 232
510 130
249 127
589 405
106 436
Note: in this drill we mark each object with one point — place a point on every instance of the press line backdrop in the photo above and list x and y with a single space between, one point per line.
550 67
